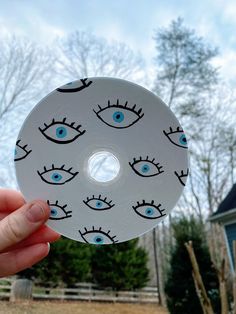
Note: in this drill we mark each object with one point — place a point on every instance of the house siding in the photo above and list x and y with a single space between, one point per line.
230 231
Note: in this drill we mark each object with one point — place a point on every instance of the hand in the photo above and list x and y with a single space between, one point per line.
24 239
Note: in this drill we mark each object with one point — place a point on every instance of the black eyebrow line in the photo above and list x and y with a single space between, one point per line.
63 122
168 135
178 130
93 230
43 131
99 199
157 207
182 175
117 105
24 148
77 89
136 161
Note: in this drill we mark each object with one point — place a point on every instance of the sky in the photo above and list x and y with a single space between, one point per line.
132 22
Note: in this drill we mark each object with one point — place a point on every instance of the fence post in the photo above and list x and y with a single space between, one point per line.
21 289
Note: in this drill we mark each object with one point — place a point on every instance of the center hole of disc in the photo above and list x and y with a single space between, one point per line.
103 166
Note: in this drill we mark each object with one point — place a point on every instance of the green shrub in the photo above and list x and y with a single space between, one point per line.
121 266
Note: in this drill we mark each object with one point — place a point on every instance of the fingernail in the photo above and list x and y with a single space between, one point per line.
36 213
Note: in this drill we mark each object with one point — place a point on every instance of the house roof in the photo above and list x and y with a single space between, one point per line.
227 208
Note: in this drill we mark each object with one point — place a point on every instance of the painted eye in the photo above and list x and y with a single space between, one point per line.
146 167
61 132
58 212
177 137
97 236
97 203
20 151
57 176
182 176
149 210
119 116
75 86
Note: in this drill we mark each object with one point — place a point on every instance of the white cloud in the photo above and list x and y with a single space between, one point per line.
229 10
227 61
213 19
31 25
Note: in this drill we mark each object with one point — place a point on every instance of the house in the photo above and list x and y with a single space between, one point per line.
226 216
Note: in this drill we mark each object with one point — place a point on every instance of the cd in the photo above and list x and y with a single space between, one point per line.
107 155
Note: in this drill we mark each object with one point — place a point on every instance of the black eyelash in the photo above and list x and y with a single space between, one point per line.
93 230
67 213
117 105
99 199
144 203
182 175
135 161
178 130
61 122
57 168
71 125
77 89
24 148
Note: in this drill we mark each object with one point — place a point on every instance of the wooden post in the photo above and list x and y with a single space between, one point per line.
204 300
199 294
222 287
234 277
223 290
161 300
21 290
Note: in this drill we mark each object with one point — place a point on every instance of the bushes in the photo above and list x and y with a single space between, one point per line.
120 266
67 262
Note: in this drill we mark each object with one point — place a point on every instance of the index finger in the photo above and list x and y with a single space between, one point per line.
10 200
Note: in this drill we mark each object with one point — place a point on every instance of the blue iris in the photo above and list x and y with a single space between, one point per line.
98 204
149 211
183 139
61 132
53 212
145 168
98 240
69 83
118 116
56 177
15 152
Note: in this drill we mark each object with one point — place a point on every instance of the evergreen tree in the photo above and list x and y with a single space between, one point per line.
122 266
68 262
179 287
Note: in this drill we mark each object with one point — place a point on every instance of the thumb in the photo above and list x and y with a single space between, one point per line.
22 222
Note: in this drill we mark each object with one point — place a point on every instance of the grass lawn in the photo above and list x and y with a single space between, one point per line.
60 307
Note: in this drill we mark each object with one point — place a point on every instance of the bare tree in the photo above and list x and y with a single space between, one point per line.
25 72
83 54
24 66
189 83
212 159
184 69
29 72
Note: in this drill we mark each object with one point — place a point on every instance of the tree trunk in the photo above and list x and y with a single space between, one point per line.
21 290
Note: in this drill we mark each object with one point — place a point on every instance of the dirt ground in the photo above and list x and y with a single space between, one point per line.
42 307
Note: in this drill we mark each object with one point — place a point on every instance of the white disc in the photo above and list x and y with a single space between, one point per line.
108 156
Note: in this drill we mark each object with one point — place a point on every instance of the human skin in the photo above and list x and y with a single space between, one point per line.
24 237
